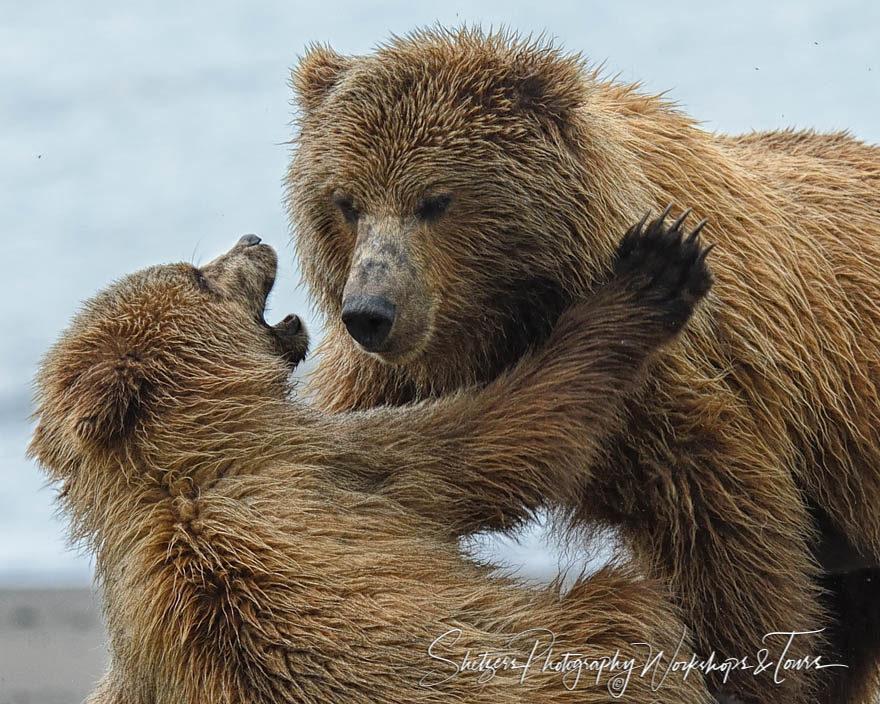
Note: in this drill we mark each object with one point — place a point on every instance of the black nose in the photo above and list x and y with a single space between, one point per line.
368 319
249 240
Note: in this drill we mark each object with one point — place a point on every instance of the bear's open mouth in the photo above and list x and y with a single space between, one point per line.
289 336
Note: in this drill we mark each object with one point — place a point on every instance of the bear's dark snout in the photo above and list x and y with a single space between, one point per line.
368 319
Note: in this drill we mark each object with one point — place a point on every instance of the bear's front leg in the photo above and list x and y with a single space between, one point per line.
727 530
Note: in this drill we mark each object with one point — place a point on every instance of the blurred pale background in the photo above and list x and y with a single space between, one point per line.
140 132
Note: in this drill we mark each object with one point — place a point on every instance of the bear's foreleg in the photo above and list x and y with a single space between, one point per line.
702 505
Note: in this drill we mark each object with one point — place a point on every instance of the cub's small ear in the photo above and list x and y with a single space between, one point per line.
317 73
106 400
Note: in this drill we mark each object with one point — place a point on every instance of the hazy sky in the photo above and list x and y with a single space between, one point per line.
138 132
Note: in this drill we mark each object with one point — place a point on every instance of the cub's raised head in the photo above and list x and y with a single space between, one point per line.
166 340
436 190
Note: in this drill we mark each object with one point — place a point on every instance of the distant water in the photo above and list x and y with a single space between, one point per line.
135 133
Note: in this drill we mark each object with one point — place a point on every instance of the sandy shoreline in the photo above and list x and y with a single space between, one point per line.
52 645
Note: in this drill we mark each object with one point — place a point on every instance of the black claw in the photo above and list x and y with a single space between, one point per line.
696 231
681 218
629 239
705 252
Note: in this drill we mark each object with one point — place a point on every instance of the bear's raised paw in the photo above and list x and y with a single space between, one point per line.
665 270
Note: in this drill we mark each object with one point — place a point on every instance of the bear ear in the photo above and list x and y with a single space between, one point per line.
107 399
318 72
551 87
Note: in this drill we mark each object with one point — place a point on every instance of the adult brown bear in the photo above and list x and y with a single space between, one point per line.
451 192
247 553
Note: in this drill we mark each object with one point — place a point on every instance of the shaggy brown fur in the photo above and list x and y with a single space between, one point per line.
246 549
494 173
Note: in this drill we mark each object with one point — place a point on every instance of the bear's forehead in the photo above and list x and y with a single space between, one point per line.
143 287
422 93
140 300
392 129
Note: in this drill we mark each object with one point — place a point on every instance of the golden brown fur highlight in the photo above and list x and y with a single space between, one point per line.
767 408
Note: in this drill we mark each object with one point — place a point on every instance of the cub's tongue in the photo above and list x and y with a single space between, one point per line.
291 339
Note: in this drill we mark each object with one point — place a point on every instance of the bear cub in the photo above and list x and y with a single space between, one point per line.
246 549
